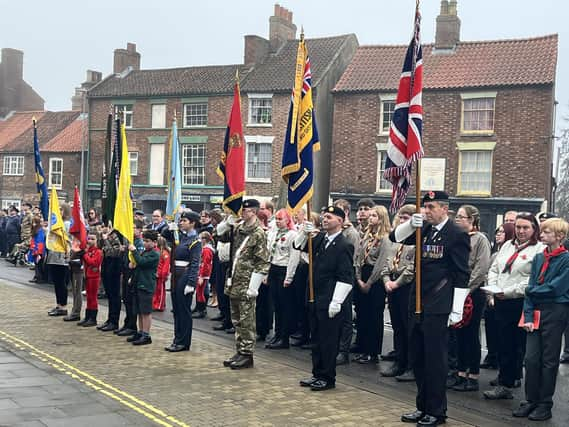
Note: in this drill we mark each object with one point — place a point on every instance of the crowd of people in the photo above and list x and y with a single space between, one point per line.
254 270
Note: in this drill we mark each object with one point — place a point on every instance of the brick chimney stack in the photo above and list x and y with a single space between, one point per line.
79 100
281 28
124 58
448 26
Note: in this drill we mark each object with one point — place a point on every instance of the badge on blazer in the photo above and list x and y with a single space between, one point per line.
433 251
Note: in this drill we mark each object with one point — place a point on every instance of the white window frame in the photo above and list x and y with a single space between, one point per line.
258 139
52 173
127 114
254 97
391 98
474 147
201 177
133 162
158 117
6 203
13 166
186 114
474 96
381 151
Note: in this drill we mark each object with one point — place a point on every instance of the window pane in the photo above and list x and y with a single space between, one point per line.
476 171
195 114
478 114
261 110
193 164
259 157
133 158
382 184
125 113
159 116
388 108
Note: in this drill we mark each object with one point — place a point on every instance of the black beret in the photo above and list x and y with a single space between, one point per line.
546 215
435 196
139 212
251 203
334 210
190 216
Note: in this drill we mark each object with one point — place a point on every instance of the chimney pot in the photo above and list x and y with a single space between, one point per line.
124 58
444 7
448 26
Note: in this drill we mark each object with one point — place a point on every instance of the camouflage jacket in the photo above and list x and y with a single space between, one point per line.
253 256
26 228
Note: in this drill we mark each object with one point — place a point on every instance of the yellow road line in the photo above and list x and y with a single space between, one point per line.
143 408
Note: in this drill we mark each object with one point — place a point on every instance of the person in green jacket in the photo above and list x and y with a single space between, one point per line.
144 280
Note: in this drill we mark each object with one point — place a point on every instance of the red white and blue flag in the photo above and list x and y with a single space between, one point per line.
405 141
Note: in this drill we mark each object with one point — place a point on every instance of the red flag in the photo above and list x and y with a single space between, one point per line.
78 228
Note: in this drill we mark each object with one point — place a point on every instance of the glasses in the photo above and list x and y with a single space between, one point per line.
461 217
500 232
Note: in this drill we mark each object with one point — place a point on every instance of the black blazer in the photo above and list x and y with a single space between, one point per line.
335 264
444 266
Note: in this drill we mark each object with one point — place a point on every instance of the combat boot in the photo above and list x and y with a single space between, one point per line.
243 361
229 361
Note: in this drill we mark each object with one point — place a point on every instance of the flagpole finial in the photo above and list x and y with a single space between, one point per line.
34 120
175 114
302 33
237 75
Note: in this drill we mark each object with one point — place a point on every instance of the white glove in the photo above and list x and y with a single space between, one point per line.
341 291
302 236
255 284
458 299
172 226
416 220
408 227
188 289
223 227
308 227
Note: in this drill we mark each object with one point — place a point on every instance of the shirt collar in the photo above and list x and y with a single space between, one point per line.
440 226
331 237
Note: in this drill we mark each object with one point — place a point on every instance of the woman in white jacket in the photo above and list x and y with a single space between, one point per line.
510 272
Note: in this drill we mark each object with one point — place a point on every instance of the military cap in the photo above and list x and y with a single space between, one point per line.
334 210
191 216
435 196
546 215
251 203
139 212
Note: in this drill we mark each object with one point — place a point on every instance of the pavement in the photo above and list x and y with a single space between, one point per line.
148 386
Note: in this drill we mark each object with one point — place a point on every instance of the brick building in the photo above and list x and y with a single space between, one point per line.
61 136
201 97
488 120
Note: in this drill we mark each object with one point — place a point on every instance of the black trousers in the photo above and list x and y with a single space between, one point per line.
128 293
511 344
492 335
347 325
182 306
112 285
325 334
222 299
58 275
300 286
264 311
428 345
468 337
399 313
283 301
370 315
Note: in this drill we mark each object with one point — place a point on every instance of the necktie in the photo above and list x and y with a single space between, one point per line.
326 242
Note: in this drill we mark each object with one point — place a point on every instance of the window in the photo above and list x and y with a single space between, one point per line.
386 113
156 174
6 203
478 113
125 113
193 164
133 160
260 109
475 172
55 173
13 165
158 116
382 184
259 155
195 114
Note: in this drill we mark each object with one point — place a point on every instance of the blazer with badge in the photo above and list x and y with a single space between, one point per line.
331 265
444 266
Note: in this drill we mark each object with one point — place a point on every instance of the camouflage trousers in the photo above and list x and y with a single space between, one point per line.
243 319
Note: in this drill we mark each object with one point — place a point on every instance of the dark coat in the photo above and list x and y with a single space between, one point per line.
145 271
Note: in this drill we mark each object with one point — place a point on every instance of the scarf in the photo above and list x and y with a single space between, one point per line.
548 255
510 262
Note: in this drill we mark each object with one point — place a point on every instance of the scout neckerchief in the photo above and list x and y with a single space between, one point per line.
370 242
397 258
548 255
510 262
281 232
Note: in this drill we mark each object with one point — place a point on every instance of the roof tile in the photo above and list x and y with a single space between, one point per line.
70 138
16 124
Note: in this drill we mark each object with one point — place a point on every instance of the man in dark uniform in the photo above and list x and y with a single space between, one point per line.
444 266
187 256
333 271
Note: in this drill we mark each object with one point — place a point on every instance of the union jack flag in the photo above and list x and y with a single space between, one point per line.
405 145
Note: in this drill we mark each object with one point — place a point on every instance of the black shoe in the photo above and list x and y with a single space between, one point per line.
564 358
134 337
406 376
100 327
389 356
90 322
430 420
342 359
541 413
368 359
261 338
469 385
453 380
298 342
143 340
393 371
495 382
230 330
307 346
220 327
355 349
277 345
57 312
175 348
34 280
489 363
498 393
321 385
109 327
126 332
412 417
307 382
228 362
82 322
116 332
296 336
71 318
243 361
273 339
199 314
217 318
524 410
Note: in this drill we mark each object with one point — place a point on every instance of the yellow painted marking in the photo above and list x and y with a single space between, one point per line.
143 408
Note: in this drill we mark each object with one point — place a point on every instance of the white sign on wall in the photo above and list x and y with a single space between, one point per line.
433 174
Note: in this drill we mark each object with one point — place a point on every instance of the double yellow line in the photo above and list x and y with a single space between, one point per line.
147 410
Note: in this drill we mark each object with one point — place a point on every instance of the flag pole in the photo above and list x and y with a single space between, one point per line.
418 237
310 275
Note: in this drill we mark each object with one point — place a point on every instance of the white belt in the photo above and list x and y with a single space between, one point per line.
182 263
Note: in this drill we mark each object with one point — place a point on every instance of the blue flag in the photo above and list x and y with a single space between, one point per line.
41 185
174 175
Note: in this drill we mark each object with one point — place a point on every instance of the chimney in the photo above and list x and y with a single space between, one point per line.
281 28
79 100
448 26
124 58
256 50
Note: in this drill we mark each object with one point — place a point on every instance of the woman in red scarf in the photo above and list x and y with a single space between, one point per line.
547 296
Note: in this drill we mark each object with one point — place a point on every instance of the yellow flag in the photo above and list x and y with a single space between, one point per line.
124 219
56 236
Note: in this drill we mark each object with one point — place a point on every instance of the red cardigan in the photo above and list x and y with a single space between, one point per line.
92 260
